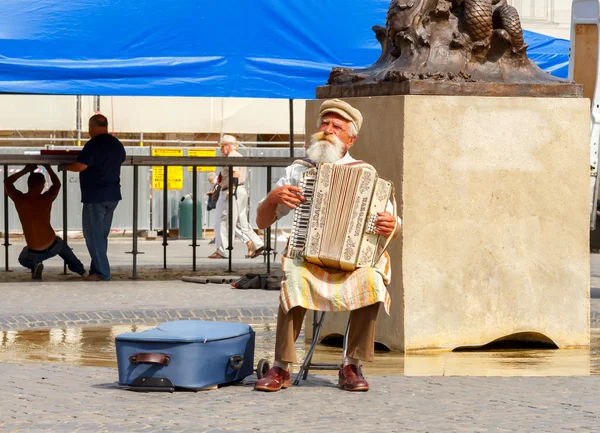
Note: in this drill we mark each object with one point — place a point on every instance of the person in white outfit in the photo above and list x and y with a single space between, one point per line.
213 180
229 146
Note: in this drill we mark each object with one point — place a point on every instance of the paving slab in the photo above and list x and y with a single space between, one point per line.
62 398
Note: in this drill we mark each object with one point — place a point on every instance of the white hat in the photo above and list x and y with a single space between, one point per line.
228 139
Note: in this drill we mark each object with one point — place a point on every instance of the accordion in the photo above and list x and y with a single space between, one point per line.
335 226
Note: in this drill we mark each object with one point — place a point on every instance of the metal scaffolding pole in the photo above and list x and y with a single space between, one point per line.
78 120
134 248
291 128
136 141
269 228
194 215
6 243
65 180
230 215
165 198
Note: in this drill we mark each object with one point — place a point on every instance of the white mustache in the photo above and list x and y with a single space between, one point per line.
324 148
321 136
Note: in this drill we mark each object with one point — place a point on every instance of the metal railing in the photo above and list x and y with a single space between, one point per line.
150 214
136 161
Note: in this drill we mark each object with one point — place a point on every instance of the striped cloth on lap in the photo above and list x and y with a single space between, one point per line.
316 288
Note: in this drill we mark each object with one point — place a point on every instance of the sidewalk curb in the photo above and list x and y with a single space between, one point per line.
152 316
146 316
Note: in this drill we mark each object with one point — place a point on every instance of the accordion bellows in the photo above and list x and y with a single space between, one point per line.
334 227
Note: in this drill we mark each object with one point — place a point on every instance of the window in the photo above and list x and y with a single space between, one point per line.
534 11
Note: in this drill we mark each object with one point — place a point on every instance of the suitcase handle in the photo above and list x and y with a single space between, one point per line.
150 358
236 362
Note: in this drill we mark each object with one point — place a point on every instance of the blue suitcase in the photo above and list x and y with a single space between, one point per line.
188 354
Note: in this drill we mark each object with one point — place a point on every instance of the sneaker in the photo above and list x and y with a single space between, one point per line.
36 273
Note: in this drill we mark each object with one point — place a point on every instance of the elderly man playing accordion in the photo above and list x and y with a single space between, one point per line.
308 286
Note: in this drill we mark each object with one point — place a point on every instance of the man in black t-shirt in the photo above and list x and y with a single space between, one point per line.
99 167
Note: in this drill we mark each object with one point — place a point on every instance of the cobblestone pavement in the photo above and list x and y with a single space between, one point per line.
34 298
31 305
146 316
64 399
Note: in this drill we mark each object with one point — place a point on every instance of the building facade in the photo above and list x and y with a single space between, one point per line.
549 17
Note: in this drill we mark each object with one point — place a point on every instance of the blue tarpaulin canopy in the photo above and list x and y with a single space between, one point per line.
550 54
264 49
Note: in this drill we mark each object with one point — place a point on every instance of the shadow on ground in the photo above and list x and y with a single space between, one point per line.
145 272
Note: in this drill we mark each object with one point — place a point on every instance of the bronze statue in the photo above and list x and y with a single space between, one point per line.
435 46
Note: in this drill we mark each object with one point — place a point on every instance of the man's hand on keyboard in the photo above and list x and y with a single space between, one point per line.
288 195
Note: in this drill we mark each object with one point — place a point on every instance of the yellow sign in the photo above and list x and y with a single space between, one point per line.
174 174
167 151
203 153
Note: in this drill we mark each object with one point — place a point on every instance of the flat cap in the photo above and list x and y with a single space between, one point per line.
344 109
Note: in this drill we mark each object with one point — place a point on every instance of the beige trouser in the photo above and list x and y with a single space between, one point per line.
361 337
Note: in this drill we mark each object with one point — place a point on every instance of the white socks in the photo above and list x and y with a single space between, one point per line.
352 361
286 365
283 365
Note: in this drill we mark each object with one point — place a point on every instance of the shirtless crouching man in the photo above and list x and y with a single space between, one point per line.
34 208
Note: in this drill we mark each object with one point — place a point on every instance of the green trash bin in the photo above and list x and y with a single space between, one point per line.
185 218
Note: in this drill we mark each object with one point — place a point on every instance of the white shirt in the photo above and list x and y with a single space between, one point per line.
242 171
292 177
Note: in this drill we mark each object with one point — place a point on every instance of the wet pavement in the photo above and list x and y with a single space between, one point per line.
95 347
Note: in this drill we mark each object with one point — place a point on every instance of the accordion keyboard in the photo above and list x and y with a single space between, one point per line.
371 221
301 221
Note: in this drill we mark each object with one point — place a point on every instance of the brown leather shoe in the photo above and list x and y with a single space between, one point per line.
351 379
275 379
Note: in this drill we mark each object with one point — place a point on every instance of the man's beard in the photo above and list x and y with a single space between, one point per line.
325 148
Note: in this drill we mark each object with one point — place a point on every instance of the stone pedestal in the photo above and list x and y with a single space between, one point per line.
493 194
